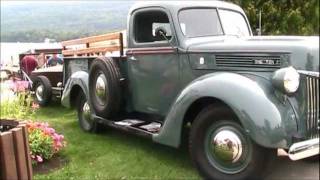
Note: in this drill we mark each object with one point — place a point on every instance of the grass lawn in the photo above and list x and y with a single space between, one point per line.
112 154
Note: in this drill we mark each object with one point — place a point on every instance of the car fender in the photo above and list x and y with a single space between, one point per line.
261 114
79 78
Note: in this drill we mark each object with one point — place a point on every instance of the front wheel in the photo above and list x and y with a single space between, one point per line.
221 149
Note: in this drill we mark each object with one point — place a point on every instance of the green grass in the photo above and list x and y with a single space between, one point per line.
112 154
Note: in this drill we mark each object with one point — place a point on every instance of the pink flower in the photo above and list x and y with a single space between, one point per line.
18 86
35 106
49 131
38 124
39 159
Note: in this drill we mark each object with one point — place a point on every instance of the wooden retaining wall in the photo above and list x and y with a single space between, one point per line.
15 158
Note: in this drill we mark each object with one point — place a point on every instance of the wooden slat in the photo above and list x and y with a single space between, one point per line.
8 161
90 50
27 149
1 161
20 154
121 44
105 37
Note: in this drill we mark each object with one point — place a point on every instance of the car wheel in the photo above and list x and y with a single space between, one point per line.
43 90
104 87
84 115
220 148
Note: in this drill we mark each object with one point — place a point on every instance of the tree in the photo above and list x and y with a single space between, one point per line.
283 17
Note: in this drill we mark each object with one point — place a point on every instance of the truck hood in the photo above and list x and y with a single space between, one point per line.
303 50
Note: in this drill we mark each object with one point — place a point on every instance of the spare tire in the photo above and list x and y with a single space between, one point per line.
43 90
104 87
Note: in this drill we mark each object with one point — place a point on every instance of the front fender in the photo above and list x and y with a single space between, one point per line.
266 119
79 78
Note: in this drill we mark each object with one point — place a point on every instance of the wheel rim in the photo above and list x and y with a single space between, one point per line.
100 89
227 149
86 115
39 92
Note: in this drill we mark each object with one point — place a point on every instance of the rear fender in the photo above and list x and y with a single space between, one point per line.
79 78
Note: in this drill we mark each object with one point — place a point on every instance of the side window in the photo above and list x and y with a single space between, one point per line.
145 24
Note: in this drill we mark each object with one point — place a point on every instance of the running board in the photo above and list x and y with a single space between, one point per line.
134 126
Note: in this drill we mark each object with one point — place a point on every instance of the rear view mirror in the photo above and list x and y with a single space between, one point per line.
160 32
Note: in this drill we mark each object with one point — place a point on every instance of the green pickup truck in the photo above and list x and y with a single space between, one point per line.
195 68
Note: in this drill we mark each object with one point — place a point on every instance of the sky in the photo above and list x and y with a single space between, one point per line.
22 2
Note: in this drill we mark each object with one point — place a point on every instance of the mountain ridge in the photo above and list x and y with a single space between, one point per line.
33 22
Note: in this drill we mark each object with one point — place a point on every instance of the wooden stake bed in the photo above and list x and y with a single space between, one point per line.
94 45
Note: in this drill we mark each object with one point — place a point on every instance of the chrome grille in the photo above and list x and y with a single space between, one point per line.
312 114
264 61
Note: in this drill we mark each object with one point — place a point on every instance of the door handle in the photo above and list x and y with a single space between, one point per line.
132 58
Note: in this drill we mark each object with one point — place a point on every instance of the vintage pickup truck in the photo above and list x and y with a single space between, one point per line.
196 67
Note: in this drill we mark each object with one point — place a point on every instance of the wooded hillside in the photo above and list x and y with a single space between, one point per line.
33 22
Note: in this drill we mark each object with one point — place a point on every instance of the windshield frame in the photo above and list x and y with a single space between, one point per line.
219 18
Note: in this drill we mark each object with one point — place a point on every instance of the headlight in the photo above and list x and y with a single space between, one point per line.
286 80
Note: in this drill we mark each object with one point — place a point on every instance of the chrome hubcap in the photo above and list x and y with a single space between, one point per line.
86 111
101 89
86 120
226 147
39 92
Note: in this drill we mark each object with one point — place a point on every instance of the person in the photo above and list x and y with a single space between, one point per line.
54 60
41 60
29 63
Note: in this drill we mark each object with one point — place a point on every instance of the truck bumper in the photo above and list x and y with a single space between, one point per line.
304 149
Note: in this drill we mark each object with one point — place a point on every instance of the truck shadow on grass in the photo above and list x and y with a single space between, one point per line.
277 168
126 155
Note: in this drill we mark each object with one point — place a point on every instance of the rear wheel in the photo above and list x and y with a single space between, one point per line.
43 90
221 149
104 87
84 115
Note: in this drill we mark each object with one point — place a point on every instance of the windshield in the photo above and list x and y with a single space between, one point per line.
205 22
200 22
233 23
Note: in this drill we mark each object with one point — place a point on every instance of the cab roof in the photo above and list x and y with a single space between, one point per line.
177 5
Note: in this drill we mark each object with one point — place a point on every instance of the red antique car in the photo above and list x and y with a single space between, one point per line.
45 81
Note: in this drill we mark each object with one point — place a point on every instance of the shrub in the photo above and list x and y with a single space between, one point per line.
17 103
44 142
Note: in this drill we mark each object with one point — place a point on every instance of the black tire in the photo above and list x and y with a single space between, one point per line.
85 122
105 70
43 90
205 154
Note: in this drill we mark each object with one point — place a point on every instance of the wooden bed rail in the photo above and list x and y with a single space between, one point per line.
94 45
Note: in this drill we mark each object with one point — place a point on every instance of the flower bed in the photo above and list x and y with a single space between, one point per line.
44 141
16 100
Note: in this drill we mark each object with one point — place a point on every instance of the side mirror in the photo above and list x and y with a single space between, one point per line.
160 32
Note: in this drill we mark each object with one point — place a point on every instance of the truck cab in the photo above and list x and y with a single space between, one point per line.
196 67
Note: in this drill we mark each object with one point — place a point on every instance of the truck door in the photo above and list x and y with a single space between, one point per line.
152 61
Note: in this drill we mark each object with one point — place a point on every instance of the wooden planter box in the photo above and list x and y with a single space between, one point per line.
15 158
